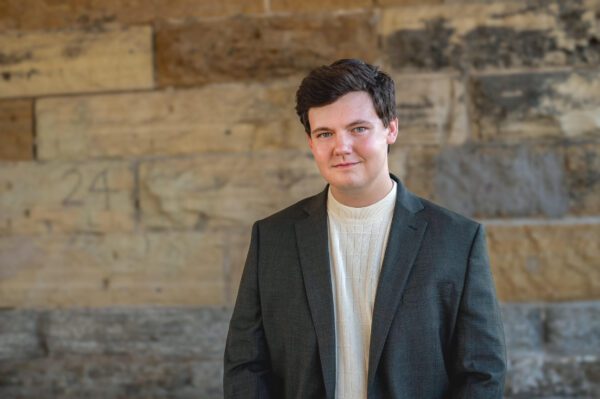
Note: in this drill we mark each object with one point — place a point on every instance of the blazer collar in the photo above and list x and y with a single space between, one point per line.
406 233
404 240
312 240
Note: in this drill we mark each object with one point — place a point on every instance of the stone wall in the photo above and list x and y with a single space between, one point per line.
140 140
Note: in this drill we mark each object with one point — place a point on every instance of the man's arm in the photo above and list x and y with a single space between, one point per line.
479 362
247 366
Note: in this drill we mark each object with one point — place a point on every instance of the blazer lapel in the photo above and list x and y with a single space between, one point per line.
313 248
406 233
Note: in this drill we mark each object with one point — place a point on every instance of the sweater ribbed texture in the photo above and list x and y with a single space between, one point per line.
357 242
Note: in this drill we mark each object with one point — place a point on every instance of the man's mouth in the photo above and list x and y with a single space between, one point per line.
343 165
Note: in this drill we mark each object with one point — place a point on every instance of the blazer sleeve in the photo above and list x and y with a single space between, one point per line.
479 363
246 359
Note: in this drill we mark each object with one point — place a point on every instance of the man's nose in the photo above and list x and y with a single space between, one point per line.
343 143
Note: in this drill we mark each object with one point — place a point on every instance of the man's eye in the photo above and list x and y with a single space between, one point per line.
323 135
360 129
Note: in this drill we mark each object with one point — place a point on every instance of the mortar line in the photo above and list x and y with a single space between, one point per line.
571 220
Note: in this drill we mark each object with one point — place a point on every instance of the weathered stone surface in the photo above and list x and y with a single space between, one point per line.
573 328
16 130
224 190
95 377
41 63
421 171
523 327
397 160
545 262
232 190
20 335
516 180
386 3
235 260
95 14
317 5
492 181
178 269
549 376
517 106
220 117
582 162
247 48
207 375
431 109
164 332
496 35
65 197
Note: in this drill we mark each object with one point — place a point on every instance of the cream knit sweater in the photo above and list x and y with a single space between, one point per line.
357 242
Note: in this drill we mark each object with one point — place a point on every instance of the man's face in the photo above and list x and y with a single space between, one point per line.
349 144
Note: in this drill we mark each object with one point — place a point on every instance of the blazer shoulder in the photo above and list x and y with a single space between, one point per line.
438 215
435 215
292 213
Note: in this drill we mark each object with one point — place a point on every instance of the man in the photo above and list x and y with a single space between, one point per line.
364 290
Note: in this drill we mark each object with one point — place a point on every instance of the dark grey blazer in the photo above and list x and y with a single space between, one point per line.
436 331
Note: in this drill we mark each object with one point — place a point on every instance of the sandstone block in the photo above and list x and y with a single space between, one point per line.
230 190
387 3
19 337
95 14
397 160
431 109
90 197
553 376
316 5
517 106
159 332
90 270
573 328
247 48
523 327
239 242
493 181
421 171
16 130
220 117
207 376
582 165
550 179
217 190
546 262
95 377
495 35
42 63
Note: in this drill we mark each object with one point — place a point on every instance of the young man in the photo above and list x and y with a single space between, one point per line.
364 290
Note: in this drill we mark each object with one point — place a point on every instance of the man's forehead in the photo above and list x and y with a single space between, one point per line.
345 110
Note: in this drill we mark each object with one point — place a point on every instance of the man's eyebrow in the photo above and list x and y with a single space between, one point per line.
359 122
320 129
351 124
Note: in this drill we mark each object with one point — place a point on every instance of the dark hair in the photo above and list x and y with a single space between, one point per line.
324 85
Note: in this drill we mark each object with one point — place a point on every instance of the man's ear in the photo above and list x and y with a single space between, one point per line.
392 131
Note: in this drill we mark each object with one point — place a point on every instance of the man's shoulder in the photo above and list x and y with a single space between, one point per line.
434 214
438 215
294 212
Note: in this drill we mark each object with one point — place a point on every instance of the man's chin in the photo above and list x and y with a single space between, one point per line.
345 185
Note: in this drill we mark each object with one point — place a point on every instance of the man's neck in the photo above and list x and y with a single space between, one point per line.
360 198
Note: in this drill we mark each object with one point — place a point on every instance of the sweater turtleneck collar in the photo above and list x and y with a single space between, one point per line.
350 214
